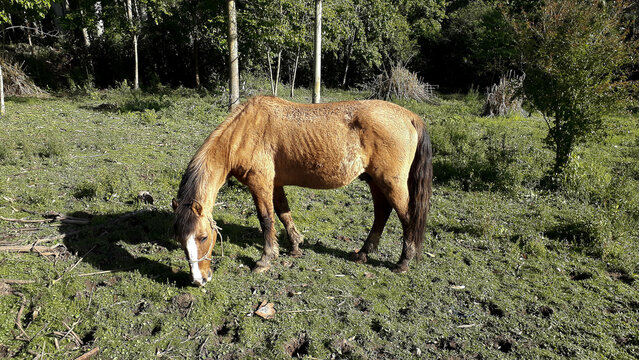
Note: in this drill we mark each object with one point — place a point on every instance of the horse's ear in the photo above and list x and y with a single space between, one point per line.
174 204
197 208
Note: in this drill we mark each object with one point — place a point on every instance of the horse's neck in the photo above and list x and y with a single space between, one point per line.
214 173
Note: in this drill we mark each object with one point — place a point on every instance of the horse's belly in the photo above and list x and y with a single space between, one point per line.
319 172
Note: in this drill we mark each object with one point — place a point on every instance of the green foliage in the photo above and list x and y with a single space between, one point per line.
510 244
33 8
575 54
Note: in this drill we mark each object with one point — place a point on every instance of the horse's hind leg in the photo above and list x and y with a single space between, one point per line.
382 209
284 213
398 197
263 198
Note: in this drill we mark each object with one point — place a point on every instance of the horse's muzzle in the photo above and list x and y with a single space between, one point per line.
202 281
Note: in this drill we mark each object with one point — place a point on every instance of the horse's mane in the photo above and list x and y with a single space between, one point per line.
195 180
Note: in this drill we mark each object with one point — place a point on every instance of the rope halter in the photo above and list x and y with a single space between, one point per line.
216 229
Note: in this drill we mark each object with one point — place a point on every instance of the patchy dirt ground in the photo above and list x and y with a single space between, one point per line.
509 270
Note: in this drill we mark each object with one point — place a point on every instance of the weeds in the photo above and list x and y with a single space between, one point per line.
511 271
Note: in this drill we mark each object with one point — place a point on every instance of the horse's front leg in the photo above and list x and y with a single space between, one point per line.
284 213
263 198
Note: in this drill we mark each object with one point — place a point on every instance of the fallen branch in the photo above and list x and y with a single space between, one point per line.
19 315
74 265
75 336
297 311
42 250
26 221
16 281
104 272
50 218
88 354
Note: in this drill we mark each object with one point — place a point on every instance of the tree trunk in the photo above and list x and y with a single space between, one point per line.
317 67
135 55
1 93
196 56
297 58
129 13
26 24
270 71
85 33
277 72
234 72
349 52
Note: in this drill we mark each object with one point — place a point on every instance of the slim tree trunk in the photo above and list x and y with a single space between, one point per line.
196 55
1 93
317 67
277 72
234 72
297 58
270 71
26 24
85 33
129 12
349 52
135 55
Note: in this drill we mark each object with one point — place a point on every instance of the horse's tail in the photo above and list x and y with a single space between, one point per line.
420 181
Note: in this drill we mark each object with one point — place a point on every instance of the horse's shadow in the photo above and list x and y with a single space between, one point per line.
120 242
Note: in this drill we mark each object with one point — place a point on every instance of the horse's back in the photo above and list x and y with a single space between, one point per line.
329 145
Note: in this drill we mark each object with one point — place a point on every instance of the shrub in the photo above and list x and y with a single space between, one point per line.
504 97
402 84
52 147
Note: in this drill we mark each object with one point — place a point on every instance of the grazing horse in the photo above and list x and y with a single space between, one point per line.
268 143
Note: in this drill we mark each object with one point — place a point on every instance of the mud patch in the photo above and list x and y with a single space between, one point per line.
580 275
625 278
495 310
449 344
297 347
503 344
183 303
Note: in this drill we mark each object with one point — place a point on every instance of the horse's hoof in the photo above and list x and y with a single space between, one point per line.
360 257
296 253
261 268
400 269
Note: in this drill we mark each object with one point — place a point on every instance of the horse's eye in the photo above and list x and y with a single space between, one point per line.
203 239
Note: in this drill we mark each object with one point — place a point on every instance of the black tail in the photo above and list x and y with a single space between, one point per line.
420 182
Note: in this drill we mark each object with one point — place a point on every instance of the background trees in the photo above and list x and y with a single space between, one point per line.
575 56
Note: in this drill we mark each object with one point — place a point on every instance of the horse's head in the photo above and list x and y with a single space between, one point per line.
196 232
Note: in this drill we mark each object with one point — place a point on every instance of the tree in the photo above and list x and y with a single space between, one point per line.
1 93
576 55
234 73
134 35
317 64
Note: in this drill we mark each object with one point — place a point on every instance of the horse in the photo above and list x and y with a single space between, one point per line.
267 143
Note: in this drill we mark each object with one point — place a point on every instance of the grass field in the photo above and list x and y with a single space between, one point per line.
510 270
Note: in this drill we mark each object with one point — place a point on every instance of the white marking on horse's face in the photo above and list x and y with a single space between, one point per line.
191 253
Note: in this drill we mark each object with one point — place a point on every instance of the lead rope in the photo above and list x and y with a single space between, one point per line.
217 229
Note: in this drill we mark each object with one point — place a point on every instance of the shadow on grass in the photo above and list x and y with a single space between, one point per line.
104 243
104 240
133 105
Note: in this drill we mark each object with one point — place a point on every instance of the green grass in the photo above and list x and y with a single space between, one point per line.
512 270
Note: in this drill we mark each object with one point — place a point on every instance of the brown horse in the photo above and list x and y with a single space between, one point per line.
268 143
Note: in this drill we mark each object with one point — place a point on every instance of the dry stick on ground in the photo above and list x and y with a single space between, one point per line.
26 221
105 272
74 265
75 336
19 315
16 281
88 354
42 250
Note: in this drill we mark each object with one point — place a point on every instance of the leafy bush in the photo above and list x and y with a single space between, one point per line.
575 54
